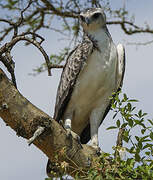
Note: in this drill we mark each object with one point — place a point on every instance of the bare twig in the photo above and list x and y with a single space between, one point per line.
35 35
140 43
50 6
30 2
6 31
119 141
130 31
21 19
16 25
58 66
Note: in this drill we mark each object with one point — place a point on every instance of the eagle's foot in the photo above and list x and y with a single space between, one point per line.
94 144
67 127
69 132
98 150
61 122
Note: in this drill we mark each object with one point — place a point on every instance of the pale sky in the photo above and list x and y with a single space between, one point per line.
18 160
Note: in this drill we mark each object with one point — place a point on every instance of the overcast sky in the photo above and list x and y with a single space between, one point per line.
18 161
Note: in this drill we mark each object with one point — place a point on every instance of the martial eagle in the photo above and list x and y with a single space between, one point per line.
93 71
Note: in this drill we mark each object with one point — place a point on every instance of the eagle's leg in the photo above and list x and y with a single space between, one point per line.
95 120
67 126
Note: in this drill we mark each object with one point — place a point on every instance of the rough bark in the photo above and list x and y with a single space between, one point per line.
25 119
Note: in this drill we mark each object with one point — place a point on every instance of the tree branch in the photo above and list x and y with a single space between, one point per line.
38 18
120 151
129 31
50 6
26 119
23 37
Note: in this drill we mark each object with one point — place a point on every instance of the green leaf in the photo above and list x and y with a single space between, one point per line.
140 113
147 153
131 150
113 106
144 114
137 122
140 145
126 138
137 138
125 97
148 146
130 122
144 138
118 123
115 115
130 161
143 131
151 135
124 125
133 100
117 98
111 127
137 157
151 122
133 108
129 106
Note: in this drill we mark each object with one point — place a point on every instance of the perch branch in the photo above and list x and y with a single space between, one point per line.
22 116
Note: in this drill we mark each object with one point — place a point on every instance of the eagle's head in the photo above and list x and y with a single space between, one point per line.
92 19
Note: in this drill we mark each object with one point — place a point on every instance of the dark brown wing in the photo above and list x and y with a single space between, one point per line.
73 66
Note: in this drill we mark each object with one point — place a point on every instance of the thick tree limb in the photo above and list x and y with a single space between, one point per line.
26 119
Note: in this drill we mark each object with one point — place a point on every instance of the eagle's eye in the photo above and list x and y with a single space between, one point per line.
82 18
96 15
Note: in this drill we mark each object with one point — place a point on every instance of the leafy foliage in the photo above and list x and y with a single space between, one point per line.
135 159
